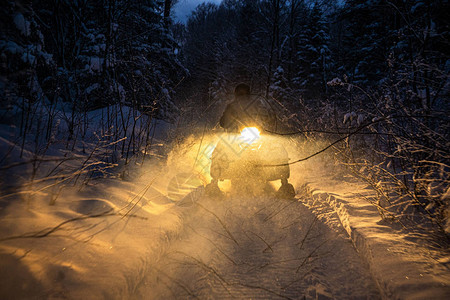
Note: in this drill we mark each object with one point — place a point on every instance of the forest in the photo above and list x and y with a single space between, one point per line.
365 82
328 69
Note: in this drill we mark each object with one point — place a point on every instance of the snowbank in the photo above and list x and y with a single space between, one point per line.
97 243
100 234
404 264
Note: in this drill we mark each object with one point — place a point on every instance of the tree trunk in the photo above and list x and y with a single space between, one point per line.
274 42
167 7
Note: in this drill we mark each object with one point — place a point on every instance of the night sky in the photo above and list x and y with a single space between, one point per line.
184 8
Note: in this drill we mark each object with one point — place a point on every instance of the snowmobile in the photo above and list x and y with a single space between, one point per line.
250 160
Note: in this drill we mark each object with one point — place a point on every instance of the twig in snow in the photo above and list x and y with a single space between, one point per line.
267 244
17 164
279 211
211 269
311 255
48 231
214 244
307 233
221 223
179 283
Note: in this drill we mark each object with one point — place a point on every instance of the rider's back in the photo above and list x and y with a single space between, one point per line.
246 111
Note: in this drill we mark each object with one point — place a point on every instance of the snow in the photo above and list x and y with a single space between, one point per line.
91 37
258 248
96 63
151 232
92 88
349 117
336 81
114 27
26 52
102 222
404 264
11 47
79 262
416 6
28 58
22 24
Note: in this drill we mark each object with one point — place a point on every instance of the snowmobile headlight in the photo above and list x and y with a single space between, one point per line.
250 134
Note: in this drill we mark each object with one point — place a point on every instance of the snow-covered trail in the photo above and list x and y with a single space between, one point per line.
257 248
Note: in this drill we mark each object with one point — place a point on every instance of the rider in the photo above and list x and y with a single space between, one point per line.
245 111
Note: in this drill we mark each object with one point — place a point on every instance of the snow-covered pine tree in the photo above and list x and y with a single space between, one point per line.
106 51
142 59
207 53
419 54
367 40
313 55
25 66
255 20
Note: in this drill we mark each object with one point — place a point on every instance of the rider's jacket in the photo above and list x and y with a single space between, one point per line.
246 111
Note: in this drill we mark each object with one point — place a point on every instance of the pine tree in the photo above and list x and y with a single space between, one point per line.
313 55
25 63
99 52
419 54
142 60
368 39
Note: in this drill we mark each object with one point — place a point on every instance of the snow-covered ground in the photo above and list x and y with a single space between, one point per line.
405 263
259 248
153 234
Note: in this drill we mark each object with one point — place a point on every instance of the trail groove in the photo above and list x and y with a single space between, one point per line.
260 249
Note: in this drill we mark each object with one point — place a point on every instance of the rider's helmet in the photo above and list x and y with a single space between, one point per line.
241 89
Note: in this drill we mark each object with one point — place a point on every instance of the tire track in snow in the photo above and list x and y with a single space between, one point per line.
261 248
